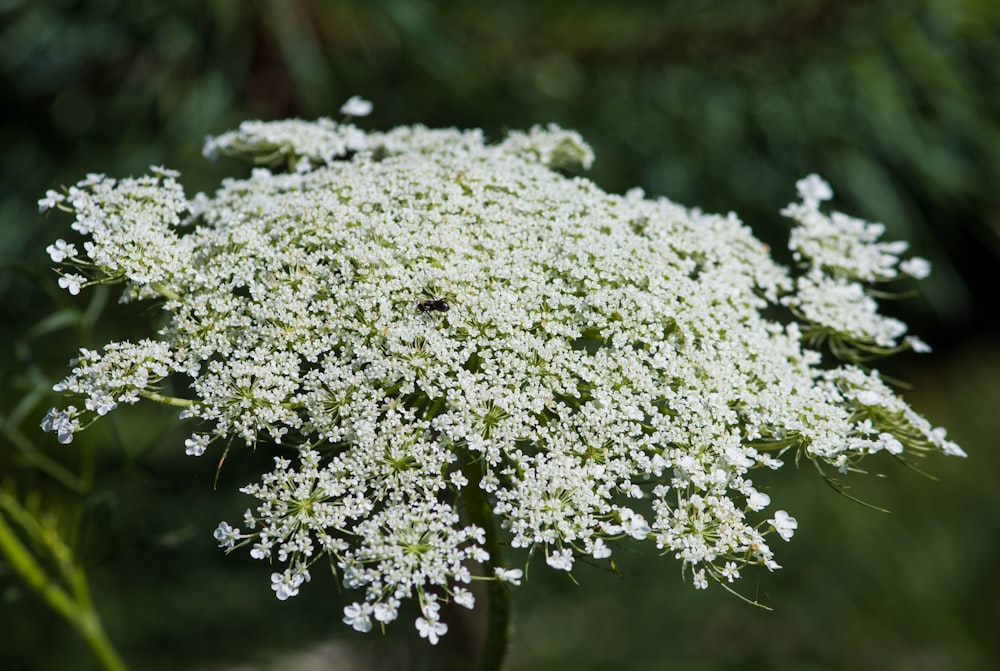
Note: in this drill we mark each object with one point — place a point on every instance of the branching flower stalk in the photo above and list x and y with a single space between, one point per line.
421 322
35 551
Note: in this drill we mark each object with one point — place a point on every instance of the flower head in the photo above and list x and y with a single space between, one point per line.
415 320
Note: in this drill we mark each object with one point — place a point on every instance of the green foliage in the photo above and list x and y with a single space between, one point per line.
705 102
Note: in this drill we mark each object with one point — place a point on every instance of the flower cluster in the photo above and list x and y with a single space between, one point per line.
843 257
421 321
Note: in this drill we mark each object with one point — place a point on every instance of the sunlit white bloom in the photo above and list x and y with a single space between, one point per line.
730 571
356 106
890 444
758 501
358 616
917 345
432 630
699 579
226 535
286 584
952 449
869 398
429 325
51 199
61 250
634 525
513 576
260 551
386 611
561 560
784 524
164 172
102 404
72 282
599 549
813 190
916 267
196 444
64 423
430 607
464 597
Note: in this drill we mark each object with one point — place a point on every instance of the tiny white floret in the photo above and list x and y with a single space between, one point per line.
784 524
356 106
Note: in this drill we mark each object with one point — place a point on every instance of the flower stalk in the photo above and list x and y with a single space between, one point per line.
499 621
65 592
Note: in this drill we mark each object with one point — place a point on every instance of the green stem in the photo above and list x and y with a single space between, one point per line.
75 608
498 626
169 400
165 292
89 625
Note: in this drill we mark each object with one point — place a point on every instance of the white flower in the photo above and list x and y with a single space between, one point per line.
72 283
60 250
432 630
286 584
561 560
784 524
730 572
916 267
867 397
917 345
63 423
599 549
464 597
513 576
356 106
952 449
386 611
358 616
813 190
164 172
431 607
51 199
890 443
843 249
102 404
226 535
758 501
843 308
699 579
458 320
634 525
196 444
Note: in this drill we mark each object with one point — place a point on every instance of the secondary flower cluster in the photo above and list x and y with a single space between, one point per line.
425 321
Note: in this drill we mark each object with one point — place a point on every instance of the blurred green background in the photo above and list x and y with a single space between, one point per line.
712 103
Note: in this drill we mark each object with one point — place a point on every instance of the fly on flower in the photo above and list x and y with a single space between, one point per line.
434 305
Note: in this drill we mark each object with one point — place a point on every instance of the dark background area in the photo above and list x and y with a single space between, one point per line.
712 103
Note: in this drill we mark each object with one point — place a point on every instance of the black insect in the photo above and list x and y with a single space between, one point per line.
433 305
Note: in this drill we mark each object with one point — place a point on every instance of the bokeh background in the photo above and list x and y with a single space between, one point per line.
711 103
